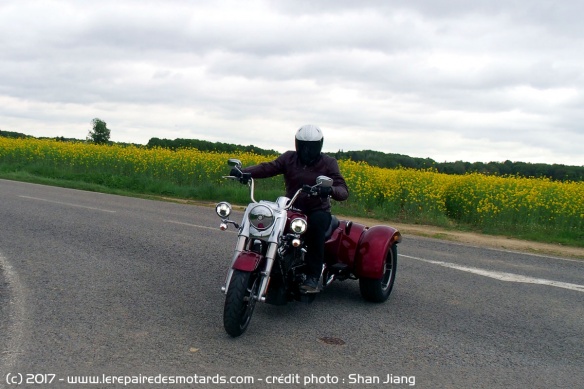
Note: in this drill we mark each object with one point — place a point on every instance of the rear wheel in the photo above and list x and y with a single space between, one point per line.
240 301
378 290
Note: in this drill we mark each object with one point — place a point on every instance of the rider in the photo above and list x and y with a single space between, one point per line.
300 169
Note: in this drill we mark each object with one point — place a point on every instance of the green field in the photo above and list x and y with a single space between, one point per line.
529 208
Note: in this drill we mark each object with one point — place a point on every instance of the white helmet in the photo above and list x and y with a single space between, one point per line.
309 140
309 133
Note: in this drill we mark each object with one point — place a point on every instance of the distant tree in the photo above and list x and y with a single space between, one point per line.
99 133
459 167
506 168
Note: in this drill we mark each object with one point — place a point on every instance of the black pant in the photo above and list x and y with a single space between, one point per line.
318 224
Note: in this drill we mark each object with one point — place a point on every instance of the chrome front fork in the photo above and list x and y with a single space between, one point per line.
238 249
270 257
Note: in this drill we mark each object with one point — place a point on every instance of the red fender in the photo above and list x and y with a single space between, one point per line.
372 251
247 261
342 246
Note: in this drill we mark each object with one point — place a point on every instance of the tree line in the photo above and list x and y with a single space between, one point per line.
556 172
203 145
12 134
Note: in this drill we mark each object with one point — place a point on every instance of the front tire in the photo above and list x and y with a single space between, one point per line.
240 301
378 290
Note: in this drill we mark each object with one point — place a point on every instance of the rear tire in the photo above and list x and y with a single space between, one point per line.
239 303
378 290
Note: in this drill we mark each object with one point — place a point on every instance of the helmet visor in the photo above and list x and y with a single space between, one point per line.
308 151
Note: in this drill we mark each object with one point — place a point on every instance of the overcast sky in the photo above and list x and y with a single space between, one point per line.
480 80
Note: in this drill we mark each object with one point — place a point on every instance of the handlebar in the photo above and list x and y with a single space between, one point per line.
250 183
311 190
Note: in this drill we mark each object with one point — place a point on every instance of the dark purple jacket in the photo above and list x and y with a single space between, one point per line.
296 175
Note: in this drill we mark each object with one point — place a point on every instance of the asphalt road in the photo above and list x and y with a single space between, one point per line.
117 288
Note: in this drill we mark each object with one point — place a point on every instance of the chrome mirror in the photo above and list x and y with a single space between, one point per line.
234 163
324 181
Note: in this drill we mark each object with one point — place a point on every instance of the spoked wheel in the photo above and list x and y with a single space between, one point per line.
240 301
378 290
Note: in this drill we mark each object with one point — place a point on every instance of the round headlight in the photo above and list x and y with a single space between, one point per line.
223 209
298 226
261 217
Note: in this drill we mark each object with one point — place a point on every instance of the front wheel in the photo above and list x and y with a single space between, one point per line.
378 290
240 301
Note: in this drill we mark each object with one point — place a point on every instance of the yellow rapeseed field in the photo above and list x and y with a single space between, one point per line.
401 193
184 166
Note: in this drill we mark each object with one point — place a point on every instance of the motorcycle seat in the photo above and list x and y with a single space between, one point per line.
332 227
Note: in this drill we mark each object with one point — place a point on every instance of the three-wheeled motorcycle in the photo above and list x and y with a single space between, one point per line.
268 264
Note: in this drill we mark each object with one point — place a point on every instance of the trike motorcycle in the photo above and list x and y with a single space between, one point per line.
269 265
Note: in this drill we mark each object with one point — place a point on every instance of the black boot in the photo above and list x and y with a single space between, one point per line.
310 285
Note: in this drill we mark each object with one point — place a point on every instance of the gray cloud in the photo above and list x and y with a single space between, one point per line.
450 80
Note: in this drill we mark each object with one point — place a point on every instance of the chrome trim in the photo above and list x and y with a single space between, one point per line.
238 249
304 225
252 189
293 200
270 255
224 206
259 214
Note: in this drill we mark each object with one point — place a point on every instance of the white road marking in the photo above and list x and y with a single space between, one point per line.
16 317
68 204
198 226
502 276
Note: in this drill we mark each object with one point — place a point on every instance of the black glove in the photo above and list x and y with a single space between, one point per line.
308 190
243 177
324 191
235 173
317 191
